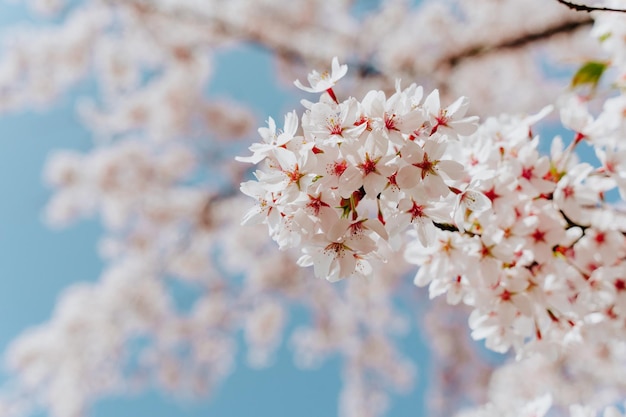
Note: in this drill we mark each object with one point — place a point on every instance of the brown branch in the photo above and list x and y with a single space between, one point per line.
287 51
278 45
515 43
584 8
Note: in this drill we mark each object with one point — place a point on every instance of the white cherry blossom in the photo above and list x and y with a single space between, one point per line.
324 81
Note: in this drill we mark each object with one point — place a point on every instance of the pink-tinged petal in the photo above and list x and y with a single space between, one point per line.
422 278
302 87
412 153
411 121
286 158
254 216
459 217
253 189
387 166
543 186
408 177
362 244
432 103
268 133
405 204
396 137
377 227
374 184
542 165
377 144
435 186
354 132
350 181
347 264
523 304
465 127
452 169
338 71
338 230
363 268
435 149
327 215
376 101
252 159
291 127
489 271
305 260
458 108
334 274
475 201
425 231
484 332
322 263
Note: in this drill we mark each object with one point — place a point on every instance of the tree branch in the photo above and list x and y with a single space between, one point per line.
290 52
514 43
283 47
584 8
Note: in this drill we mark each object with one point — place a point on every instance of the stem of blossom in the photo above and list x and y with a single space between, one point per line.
568 152
578 138
332 95
348 205
353 205
380 213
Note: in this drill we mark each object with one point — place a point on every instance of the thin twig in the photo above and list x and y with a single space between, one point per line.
584 8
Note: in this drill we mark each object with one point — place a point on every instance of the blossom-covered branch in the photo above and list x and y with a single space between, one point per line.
357 183
530 242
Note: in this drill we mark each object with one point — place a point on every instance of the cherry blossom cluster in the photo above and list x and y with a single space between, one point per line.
530 241
545 266
546 263
351 176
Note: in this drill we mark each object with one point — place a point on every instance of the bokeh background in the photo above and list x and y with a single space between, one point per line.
38 262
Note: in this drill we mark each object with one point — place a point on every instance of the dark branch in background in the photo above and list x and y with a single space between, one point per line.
365 68
583 8
256 36
520 42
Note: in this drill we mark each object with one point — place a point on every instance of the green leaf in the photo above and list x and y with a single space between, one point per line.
589 74
605 36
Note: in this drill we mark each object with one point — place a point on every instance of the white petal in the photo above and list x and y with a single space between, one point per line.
408 176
